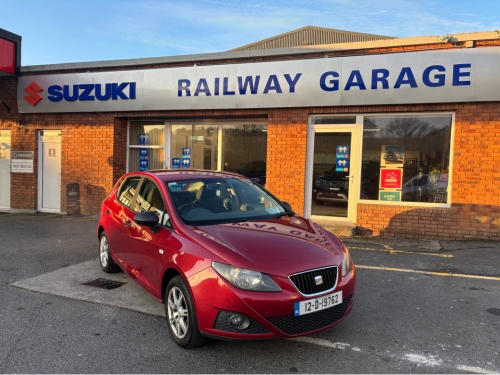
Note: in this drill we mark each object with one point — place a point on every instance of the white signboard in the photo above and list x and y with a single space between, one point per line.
464 75
22 161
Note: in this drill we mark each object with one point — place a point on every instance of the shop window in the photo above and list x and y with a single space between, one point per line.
201 143
244 150
406 158
146 145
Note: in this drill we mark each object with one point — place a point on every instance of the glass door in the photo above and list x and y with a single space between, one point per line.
194 146
331 174
331 186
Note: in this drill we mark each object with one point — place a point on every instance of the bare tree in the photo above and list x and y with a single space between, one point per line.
410 126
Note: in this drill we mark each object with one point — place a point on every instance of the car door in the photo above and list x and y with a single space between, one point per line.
147 247
118 211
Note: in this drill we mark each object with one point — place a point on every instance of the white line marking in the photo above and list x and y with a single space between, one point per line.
477 370
447 274
428 361
390 250
310 340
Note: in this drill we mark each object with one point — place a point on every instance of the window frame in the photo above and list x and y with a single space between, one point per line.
449 189
359 122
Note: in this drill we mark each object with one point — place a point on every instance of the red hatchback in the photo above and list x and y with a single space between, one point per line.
228 259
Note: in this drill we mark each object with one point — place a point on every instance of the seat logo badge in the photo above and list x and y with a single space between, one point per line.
318 280
33 98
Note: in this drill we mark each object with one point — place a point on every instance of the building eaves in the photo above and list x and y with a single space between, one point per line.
256 54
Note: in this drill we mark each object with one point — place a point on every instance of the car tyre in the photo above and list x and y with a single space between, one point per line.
108 265
181 317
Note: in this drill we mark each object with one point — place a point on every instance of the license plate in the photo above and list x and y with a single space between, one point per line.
317 304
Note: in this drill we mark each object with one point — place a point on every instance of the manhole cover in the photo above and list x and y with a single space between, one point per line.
104 284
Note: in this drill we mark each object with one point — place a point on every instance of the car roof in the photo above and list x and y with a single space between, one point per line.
190 174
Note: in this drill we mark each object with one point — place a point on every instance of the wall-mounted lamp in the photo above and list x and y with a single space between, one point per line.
497 33
22 124
6 106
445 38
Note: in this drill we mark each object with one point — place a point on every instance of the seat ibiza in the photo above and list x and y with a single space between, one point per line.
227 258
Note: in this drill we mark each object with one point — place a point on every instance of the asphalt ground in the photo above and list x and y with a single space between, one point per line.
420 307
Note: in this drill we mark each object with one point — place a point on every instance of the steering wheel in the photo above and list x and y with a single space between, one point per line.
230 203
188 205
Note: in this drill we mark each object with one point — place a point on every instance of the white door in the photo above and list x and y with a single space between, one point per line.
4 169
49 193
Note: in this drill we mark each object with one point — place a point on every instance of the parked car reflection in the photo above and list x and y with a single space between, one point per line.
255 171
331 187
420 188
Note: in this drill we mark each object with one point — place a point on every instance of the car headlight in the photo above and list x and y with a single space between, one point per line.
246 279
347 262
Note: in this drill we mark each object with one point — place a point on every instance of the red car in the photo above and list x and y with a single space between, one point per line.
227 258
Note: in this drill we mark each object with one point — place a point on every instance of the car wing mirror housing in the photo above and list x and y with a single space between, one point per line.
148 219
287 205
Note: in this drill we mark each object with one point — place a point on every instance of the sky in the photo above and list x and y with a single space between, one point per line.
67 31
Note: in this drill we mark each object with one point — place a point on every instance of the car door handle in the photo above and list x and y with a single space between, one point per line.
128 223
106 212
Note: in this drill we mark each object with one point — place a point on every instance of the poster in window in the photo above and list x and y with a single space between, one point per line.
443 176
438 198
441 188
392 156
390 178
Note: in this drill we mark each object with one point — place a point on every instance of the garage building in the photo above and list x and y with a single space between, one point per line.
365 133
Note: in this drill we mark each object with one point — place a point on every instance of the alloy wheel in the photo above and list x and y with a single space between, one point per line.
104 251
177 312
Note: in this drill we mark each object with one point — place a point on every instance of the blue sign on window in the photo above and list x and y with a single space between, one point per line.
143 165
186 163
342 165
343 151
176 163
143 154
186 151
143 139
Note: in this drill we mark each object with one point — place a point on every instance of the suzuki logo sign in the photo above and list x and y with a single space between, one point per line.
33 98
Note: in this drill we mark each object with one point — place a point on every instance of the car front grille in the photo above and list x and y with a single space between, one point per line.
306 284
294 325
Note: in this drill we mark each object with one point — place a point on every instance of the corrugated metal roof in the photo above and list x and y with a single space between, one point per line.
308 36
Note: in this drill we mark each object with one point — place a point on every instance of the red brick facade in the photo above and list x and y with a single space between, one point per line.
94 155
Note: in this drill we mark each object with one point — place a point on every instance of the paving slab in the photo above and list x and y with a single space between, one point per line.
67 282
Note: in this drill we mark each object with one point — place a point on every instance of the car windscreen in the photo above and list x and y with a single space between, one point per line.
207 201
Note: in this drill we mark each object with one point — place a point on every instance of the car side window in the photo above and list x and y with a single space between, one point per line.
127 191
150 199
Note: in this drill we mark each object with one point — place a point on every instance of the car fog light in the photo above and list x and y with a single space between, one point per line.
240 322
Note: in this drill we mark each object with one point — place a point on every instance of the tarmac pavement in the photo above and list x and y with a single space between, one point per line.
421 306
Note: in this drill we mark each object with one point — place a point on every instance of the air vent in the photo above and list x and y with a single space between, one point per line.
104 284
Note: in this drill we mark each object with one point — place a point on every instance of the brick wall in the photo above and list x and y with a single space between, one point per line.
286 155
94 155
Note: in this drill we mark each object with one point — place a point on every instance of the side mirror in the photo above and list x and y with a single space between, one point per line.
287 205
148 219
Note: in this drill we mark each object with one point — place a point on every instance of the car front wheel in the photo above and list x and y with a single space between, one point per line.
108 265
179 309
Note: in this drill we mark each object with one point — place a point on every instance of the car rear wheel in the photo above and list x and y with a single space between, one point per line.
179 309
108 265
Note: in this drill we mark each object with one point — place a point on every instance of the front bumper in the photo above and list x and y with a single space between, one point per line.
271 315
